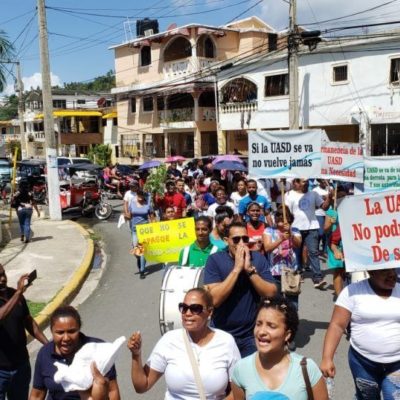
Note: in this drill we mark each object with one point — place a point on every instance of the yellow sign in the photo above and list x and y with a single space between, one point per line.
162 241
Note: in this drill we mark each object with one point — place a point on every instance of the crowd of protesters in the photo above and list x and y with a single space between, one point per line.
239 329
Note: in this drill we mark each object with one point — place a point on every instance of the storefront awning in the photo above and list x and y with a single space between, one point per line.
110 115
73 113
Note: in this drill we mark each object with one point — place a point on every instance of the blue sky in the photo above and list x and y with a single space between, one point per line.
79 41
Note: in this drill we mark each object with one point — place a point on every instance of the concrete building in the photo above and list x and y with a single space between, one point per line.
349 87
165 95
81 120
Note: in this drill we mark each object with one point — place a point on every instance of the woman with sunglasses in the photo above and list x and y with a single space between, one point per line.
215 353
273 371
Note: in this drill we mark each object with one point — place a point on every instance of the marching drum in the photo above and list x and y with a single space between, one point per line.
176 282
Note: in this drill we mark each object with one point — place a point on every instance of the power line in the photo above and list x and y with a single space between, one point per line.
245 11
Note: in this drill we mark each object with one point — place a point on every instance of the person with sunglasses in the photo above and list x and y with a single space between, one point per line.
214 350
237 279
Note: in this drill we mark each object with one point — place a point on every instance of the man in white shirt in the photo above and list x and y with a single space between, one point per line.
302 204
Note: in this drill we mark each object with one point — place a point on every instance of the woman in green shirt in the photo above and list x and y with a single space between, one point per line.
196 254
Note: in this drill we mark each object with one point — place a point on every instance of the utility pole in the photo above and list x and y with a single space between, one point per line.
20 86
50 138
293 64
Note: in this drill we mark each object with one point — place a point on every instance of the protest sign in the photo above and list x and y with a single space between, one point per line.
381 173
370 229
162 241
342 162
285 154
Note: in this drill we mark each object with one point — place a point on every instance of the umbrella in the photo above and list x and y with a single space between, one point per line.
149 164
174 159
227 157
230 166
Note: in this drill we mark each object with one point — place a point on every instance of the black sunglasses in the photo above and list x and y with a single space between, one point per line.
237 239
194 308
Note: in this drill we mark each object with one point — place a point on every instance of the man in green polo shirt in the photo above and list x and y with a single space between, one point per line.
196 254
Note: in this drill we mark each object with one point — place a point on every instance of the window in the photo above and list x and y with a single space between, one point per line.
115 121
277 85
59 104
394 71
340 73
147 104
145 56
81 101
160 103
133 104
178 48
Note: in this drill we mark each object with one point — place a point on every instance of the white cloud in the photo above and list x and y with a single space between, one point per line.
35 81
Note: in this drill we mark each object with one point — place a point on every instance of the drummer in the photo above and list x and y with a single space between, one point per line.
196 254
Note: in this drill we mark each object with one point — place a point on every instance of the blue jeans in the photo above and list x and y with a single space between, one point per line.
246 345
310 239
372 378
322 234
15 384
24 218
141 262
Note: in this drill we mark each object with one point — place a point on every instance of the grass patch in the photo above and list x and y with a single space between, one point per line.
35 308
94 236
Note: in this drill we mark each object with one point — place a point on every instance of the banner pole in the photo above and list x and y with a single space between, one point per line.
14 176
283 202
335 196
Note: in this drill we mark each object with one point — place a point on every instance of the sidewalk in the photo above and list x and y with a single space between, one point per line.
60 251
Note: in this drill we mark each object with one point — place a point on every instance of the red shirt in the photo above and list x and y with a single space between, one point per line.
255 236
175 200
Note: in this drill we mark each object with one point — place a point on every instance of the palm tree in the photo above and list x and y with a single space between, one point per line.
6 52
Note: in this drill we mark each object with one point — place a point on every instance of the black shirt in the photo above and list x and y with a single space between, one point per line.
13 350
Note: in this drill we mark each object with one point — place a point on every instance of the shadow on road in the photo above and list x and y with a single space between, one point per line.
38 239
307 329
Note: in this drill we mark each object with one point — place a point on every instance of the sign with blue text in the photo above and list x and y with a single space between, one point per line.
285 154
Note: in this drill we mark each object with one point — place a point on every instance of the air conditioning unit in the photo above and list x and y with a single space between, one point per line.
148 32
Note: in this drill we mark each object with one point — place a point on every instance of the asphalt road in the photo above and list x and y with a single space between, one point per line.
122 303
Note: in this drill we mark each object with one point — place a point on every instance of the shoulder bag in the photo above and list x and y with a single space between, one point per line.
303 364
195 367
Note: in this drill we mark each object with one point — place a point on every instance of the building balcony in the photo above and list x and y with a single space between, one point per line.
177 118
229 108
186 66
36 137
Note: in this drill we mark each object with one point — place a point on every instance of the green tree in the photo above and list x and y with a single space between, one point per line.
100 154
103 83
10 108
6 53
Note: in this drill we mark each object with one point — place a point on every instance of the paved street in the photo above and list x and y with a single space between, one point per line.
123 303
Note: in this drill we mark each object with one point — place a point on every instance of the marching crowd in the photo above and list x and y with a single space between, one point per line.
255 238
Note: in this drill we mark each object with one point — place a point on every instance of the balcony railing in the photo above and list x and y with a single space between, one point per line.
208 114
238 107
177 115
175 69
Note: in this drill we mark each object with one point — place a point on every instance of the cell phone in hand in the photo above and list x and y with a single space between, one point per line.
31 277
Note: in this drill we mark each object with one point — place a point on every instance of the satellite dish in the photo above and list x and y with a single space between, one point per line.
172 26
101 101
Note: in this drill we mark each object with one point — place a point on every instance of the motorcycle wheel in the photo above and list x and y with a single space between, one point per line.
103 211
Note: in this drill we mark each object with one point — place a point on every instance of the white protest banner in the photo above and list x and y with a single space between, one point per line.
285 154
370 229
381 173
342 161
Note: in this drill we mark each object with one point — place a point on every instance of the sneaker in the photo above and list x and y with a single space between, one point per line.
142 276
22 238
319 284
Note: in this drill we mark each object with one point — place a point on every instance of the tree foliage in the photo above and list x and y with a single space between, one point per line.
6 53
103 83
10 109
100 154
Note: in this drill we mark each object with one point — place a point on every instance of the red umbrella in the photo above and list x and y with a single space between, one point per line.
174 159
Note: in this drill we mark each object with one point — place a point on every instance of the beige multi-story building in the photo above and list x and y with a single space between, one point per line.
165 86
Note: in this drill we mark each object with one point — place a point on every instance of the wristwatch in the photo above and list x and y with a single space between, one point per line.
252 272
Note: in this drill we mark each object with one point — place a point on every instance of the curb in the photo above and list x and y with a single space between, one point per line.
66 294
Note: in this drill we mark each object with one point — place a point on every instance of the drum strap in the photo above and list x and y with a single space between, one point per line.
185 255
195 366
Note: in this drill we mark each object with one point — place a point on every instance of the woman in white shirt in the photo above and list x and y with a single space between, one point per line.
373 308
241 192
215 353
